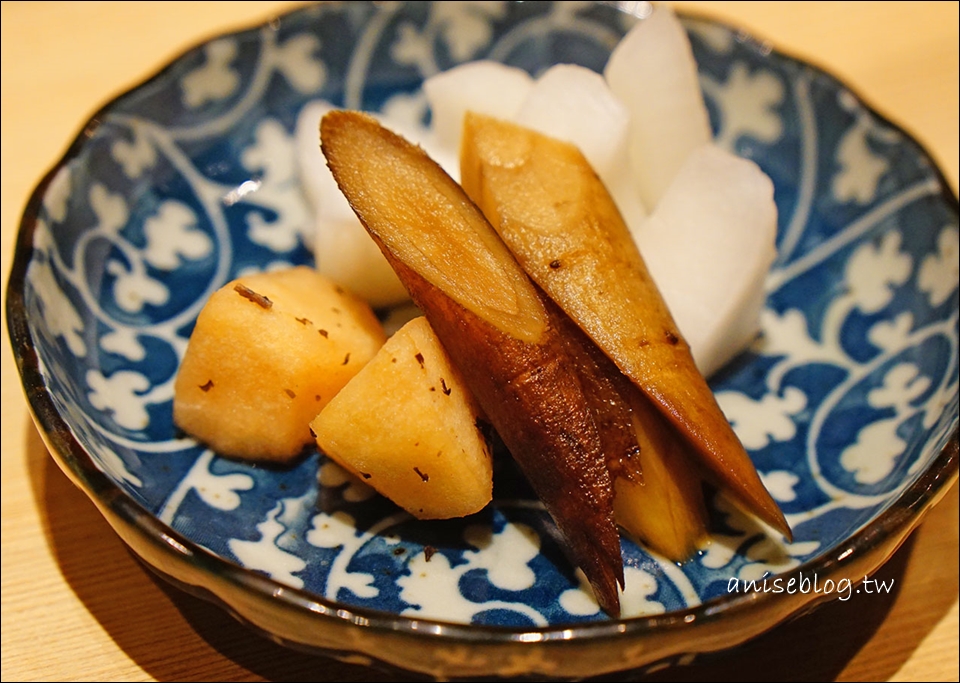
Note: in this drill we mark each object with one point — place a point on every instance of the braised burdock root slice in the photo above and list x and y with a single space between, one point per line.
556 216
495 326
658 492
667 510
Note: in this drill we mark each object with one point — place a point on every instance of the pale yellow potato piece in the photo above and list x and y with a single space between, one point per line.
268 352
407 426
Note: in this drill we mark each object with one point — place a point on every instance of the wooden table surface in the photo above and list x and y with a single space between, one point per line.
78 606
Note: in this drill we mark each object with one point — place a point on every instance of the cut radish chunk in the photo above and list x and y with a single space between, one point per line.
709 245
342 247
653 72
483 86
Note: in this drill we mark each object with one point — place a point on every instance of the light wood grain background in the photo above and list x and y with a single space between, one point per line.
76 605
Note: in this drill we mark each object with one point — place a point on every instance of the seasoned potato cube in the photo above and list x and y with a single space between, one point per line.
268 352
407 426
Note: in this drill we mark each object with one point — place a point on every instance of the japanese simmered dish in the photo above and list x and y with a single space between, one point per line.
475 325
542 319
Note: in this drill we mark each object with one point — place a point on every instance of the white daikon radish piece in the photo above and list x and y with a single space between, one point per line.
709 246
653 72
483 86
346 254
574 104
318 184
342 247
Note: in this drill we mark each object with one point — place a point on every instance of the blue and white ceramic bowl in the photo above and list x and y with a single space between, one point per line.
848 404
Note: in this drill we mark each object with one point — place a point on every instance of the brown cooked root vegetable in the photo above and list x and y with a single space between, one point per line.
658 493
666 510
495 326
557 218
266 355
407 426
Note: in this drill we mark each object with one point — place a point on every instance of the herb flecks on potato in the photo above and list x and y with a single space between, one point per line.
266 355
407 426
